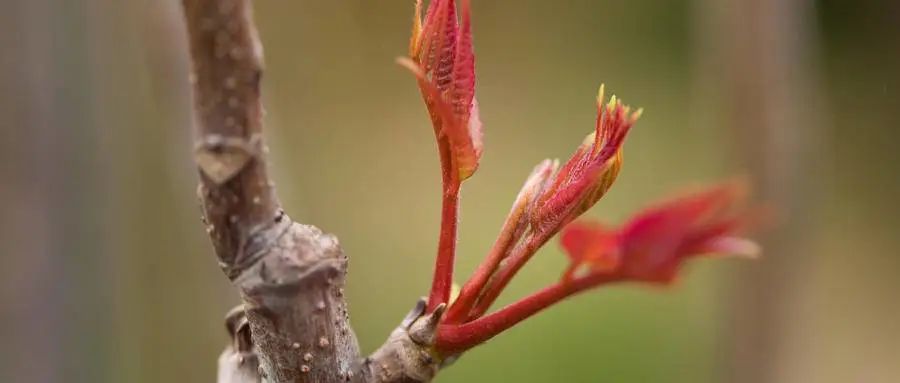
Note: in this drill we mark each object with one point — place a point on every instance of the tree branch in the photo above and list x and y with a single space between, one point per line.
290 276
294 322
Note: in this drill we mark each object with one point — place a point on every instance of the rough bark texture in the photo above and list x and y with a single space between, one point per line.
294 323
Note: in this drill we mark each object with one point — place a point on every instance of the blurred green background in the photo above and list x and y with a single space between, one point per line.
106 274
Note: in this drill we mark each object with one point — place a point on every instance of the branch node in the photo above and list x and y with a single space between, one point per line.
423 329
407 355
239 362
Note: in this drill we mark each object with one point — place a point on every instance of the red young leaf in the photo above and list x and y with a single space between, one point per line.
654 243
441 50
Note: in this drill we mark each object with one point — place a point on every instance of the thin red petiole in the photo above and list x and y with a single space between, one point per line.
442 281
458 312
520 255
456 338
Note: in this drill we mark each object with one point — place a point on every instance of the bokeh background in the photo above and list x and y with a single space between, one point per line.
106 274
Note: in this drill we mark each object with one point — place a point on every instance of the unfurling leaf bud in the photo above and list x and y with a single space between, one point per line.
591 171
441 57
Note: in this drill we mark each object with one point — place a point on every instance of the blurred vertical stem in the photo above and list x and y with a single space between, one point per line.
50 217
30 191
764 50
